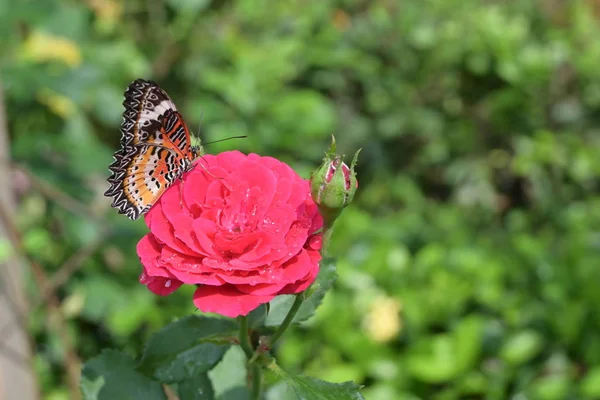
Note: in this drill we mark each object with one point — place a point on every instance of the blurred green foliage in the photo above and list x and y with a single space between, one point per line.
469 262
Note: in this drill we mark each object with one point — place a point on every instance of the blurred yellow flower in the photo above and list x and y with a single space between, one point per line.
40 47
107 13
57 103
383 323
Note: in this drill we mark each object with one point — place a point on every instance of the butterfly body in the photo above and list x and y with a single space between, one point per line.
155 149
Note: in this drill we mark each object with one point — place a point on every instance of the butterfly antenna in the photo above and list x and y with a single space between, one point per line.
231 137
216 141
197 136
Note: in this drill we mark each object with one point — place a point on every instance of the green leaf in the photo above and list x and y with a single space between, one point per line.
308 388
230 374
190 363
280 305
257 317
522 347
236 393
281 391
112 375
170 350
444 357
467 342
590 384
197 388
189 6
432 359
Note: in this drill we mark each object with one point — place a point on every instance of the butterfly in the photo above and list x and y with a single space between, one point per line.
155 150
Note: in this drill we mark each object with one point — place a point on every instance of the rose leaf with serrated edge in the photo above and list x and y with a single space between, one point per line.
112 375
176 341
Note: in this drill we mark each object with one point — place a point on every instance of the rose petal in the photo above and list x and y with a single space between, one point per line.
302 285
185 230
189 269
159 285
296 270
162 230
227 300
149 251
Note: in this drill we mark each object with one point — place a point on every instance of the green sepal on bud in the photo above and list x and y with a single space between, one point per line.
333 184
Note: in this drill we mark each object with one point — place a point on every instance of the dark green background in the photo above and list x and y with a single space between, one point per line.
477 221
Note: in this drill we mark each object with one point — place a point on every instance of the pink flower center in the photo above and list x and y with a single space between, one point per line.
239 216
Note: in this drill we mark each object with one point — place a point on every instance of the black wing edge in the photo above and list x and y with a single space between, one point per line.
120 201
134 94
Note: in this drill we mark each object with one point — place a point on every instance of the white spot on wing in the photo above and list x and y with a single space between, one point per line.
160 109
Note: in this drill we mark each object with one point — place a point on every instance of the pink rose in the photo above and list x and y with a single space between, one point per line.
240 227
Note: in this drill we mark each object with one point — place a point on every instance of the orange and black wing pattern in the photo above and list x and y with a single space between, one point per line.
155 149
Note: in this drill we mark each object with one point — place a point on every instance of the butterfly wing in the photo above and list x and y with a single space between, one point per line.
142 179
151 117
155 149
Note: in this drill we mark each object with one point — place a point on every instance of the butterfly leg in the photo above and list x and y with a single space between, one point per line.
181 191
206 169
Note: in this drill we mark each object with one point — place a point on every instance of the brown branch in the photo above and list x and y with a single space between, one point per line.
60 197
72 265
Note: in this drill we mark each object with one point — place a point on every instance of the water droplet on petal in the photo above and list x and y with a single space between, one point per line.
168 283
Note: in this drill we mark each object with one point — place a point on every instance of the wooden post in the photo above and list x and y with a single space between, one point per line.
17 379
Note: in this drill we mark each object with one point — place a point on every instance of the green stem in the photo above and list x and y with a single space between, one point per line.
326 239
300 297
288 319
245 337
254 369
256 372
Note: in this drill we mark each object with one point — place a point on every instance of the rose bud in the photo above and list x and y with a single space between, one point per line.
333 184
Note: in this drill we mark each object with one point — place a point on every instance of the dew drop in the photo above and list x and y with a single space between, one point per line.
168 283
